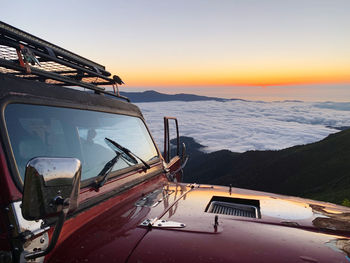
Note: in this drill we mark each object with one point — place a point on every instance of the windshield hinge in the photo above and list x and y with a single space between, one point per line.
28 236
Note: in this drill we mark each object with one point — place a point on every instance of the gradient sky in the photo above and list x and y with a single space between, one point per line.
243 44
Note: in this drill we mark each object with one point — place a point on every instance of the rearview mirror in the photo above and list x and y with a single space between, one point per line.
51 189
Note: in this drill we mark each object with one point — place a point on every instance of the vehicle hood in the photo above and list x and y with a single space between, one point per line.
287 229
189 204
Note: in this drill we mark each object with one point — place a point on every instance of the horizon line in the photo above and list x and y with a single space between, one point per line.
238 84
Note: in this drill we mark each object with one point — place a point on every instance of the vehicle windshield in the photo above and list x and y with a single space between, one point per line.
43 131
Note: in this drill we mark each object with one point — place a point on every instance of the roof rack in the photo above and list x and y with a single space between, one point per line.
29 57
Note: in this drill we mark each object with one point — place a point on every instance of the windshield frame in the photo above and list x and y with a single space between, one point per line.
50 102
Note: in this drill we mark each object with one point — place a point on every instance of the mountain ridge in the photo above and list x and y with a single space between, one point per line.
154 96
319 170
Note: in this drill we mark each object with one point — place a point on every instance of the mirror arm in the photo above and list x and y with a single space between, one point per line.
184 156
55 235
184 162
171 175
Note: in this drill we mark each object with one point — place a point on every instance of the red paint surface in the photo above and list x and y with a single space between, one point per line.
107 232
110 232
240 241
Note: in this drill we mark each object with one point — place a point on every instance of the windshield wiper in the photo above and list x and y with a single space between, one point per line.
126 153
122 152
105 171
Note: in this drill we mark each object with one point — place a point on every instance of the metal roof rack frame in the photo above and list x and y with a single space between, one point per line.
29 57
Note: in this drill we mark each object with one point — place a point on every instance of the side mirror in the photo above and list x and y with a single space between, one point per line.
167 145
51 189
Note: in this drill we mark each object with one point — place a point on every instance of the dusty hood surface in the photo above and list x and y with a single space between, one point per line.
286 229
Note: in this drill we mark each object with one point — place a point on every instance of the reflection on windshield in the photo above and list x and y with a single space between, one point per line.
36 131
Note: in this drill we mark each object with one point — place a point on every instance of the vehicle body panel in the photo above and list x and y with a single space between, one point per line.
107 231
280 236
239 241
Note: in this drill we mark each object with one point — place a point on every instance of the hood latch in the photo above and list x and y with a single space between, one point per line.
161 223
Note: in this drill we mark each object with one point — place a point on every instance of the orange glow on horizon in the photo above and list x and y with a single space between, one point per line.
160 79
247 75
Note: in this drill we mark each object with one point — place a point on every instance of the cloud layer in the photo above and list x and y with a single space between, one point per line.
240 126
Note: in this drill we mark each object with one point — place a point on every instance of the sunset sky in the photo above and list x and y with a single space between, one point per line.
237 48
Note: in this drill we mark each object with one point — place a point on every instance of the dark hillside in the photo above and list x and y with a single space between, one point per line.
319 170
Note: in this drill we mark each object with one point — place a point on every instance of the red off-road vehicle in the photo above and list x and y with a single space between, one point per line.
83 181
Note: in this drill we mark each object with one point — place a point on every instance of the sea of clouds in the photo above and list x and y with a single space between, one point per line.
240 126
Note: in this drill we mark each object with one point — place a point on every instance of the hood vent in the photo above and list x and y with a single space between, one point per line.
234 207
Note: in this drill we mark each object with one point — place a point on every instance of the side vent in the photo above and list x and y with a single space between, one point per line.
234 207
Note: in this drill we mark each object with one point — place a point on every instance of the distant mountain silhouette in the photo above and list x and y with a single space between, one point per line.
153 96
318 170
